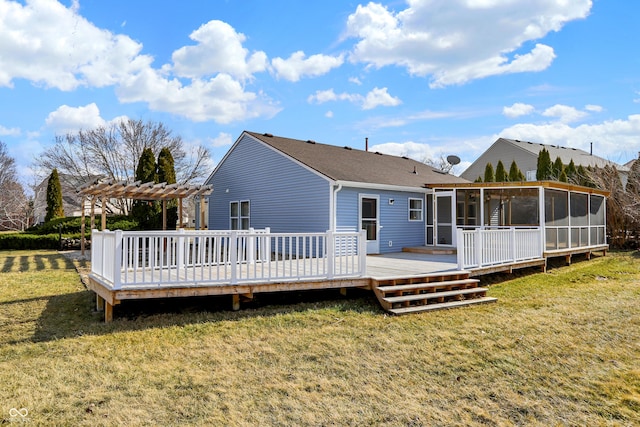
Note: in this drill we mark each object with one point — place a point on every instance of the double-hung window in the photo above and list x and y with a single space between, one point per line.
415 209
239 214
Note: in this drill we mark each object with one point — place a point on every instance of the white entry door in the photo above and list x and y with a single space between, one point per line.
369 221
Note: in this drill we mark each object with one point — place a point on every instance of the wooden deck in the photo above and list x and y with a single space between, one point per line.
398 268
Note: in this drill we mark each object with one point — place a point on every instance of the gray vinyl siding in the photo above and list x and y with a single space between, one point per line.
394 219
283 195
501 150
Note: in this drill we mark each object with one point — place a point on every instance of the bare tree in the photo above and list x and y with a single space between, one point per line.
113 152
440 163
623 207
13 202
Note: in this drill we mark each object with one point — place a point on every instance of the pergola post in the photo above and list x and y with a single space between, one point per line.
164 214
93 212
104 213
82 226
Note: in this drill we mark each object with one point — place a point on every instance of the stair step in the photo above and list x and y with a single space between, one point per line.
426 278
431 295
431 285
442 306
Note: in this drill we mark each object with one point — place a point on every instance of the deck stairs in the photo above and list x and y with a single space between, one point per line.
435 291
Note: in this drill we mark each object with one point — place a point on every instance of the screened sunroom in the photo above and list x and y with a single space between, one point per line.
498 222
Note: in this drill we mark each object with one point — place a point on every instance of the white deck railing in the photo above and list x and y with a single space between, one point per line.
487 247
155 259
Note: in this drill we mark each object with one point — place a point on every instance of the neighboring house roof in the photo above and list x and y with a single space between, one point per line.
566 154
525 154
358 166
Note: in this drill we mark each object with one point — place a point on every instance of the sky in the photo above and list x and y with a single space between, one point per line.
421 78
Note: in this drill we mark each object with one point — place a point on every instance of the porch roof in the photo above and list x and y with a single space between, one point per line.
545 184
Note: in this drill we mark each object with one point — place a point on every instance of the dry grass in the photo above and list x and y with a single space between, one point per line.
561 348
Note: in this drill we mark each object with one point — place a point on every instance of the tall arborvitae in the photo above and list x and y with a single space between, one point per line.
146 212
543 171
571 172
515 174
563 177
167 173
488 173
478 179
54 197
501 172
558 168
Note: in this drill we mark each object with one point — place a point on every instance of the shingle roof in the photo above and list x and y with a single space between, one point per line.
566 154
348 164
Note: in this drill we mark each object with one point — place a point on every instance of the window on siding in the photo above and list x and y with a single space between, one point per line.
239 214
415 209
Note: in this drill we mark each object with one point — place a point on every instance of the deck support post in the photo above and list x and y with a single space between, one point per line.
99 303
343 292
235 298
108 312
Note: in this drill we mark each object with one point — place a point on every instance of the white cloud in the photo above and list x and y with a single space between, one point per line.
222 140
518 109
67 119
329 114
9 131
219 50
458 41
593 108
616 140
72 119
375 98
296 66
355 80
220 98
564 113
82 54
79 54
379 97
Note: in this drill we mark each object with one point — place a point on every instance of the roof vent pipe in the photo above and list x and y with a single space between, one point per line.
415 171
366 144
591 150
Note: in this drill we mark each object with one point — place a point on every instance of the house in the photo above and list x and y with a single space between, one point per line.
288 214
291 185
525 154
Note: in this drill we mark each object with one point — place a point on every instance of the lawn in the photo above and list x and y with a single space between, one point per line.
559 348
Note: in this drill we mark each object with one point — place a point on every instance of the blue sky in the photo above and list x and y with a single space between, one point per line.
424 78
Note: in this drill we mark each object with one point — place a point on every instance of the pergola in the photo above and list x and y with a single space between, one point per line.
108 189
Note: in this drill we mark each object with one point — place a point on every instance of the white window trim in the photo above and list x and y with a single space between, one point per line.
240 217
421 210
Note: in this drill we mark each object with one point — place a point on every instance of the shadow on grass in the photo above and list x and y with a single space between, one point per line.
74 314
25 263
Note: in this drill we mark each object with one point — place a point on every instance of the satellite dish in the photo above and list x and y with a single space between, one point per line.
453 159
